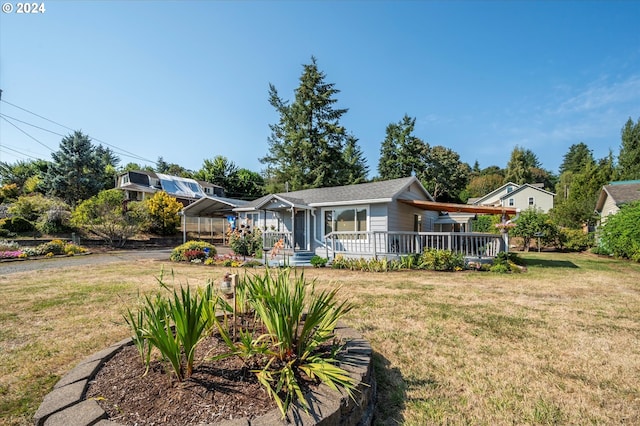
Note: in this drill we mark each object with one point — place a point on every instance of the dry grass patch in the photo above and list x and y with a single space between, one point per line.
559 344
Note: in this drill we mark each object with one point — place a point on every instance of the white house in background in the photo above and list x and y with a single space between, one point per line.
521 197
614 195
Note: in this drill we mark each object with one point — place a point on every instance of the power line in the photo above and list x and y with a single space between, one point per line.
5 116
4 147
122 152
37 115
26 133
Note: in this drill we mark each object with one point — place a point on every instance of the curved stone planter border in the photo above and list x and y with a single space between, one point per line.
66 405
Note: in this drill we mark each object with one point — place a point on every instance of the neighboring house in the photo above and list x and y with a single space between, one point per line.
386 218
517 196
614 195
139 185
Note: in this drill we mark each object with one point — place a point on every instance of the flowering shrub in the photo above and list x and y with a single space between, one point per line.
55 247
505 226
70 249
244 242
194 248
8 245
191 255
14 254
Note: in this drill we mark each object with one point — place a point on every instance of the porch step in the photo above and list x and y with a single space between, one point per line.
301 258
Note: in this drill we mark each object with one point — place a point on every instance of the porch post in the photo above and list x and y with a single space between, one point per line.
184 228
375 251
293 229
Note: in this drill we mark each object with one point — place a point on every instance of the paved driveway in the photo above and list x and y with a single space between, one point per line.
91 259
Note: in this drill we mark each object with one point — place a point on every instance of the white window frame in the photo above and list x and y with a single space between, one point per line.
333 211
252 219
531 201
512 202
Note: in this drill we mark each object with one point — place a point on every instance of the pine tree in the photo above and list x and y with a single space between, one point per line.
629 158
576 159
356 169
306 145
519 166
78 170
401 153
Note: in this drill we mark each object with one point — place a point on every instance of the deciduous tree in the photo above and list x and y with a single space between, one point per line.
104 215
444 175
163 212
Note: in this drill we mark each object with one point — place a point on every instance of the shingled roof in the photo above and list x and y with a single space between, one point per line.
380 191
620 192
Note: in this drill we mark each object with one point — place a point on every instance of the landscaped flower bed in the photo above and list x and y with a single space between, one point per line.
12 250
205 253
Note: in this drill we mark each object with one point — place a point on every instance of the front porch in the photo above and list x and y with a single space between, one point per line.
394 244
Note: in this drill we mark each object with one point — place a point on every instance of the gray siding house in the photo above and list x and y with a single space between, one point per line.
384 218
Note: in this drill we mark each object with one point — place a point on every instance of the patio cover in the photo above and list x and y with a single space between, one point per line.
461 208
212 207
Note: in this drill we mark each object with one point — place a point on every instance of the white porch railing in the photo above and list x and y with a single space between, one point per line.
270 238
393 244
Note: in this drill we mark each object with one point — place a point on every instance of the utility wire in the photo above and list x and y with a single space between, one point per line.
5 116
26 133
3 148
122 151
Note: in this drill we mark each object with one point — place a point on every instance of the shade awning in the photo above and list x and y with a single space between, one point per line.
212 207
460 208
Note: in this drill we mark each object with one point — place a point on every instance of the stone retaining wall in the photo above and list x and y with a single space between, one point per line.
66 404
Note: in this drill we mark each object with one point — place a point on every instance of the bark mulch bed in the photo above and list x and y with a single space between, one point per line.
217 391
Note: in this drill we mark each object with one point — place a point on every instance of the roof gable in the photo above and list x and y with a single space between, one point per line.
497 191
526 187
379 191
619 192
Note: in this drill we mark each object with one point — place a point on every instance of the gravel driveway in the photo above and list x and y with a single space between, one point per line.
90 259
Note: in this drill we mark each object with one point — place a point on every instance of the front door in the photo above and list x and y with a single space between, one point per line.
300 227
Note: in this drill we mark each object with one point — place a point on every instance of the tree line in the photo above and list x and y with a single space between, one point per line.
308 147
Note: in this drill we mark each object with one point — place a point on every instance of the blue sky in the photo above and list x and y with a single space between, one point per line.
189 80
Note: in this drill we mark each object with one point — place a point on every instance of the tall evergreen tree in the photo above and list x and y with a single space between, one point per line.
576 159
519 166
306 145
577 193
401 153
78 170
356 168
629 158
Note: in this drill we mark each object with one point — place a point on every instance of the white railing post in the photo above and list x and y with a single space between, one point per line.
374 236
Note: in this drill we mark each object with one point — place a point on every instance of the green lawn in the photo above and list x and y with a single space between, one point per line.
559 344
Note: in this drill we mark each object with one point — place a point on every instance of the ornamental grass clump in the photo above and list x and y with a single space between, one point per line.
279 326
298 342
174 325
